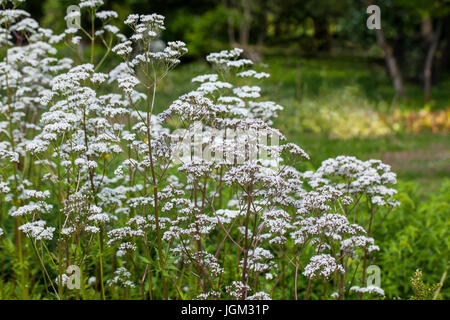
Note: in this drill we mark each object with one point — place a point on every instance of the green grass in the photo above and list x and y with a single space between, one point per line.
422 158
293 76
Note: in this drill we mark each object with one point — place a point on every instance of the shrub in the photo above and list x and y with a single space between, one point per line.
415 235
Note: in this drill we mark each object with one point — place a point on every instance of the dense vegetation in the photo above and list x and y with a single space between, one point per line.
89 133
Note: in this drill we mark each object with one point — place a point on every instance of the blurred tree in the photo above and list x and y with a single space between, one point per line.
391 61
202 33
432 14
414 39
408 20
53 13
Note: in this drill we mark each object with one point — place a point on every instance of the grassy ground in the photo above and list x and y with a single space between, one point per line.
298 83
422 158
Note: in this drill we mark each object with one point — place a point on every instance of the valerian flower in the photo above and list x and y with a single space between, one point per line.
207 189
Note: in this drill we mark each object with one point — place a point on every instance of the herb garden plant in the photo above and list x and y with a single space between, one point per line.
97 201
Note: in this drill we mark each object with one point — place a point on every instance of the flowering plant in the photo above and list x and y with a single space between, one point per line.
90 179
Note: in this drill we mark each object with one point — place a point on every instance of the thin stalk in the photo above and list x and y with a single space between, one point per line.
100 245
151 96
247 218
363 280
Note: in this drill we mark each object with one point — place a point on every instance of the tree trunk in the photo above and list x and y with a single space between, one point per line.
244 27
263 27
391 63
321 34
427 72
426 29
230 25
442 61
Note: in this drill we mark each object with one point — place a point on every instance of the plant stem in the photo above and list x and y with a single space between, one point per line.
100 245
247 218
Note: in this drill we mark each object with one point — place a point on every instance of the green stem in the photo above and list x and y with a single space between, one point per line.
100 245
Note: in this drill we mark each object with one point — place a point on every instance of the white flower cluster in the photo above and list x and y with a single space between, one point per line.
261 295
236 288
369 289
228 59
90 3
122 278
353 176
259 260
37 230
322 265
85 156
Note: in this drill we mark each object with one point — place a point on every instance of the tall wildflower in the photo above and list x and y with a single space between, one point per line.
93 177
